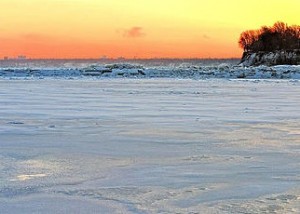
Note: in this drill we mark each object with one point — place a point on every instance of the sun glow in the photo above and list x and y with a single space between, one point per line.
134 28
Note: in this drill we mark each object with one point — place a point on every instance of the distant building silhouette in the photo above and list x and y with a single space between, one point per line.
21 57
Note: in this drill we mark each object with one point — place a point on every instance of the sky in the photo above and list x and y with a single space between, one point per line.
134 28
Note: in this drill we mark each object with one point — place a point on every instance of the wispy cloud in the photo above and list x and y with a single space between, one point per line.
205 36
134 32
35 37
32 36
26 37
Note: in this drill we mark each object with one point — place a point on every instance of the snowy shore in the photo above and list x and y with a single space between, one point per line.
160 145
184 71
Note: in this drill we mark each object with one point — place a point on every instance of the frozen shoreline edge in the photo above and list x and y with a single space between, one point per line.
222 71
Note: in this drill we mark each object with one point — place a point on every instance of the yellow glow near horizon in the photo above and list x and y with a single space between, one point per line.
134 28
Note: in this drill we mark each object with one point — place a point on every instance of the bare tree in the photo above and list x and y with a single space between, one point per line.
278 37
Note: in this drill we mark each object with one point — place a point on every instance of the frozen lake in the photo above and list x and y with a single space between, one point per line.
149 146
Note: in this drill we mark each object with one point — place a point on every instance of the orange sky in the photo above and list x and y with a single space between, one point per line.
134 28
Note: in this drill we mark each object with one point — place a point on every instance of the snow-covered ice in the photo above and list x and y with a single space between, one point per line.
161 145
131 70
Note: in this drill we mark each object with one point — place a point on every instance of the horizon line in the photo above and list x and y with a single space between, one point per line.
123 58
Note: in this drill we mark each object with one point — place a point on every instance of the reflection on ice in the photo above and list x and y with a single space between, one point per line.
28 177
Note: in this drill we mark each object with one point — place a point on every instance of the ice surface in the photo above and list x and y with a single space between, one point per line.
149 146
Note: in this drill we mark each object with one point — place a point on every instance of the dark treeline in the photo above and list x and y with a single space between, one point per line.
278 37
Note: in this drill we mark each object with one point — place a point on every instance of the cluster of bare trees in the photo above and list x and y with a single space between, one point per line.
278 37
